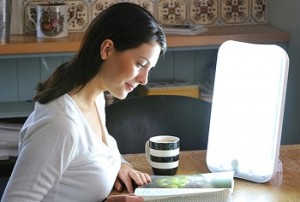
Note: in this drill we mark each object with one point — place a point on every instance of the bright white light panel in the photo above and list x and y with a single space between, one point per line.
247 110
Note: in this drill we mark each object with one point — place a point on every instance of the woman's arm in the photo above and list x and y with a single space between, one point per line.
45 152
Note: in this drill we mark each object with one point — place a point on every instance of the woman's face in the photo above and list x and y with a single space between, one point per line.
122 72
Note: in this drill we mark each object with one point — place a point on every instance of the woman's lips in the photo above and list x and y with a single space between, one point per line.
130 87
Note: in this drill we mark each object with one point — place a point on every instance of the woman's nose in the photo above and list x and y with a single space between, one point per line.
142 78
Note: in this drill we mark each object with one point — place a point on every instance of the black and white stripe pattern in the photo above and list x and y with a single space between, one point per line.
164 154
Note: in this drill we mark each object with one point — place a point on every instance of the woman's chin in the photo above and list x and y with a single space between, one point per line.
121 96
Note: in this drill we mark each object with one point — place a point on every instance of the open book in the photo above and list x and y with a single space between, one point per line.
208 187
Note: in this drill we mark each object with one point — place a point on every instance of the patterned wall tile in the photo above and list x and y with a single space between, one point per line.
235 11
167 12
172 12
147 4
259 11
204 12
99 5
78 15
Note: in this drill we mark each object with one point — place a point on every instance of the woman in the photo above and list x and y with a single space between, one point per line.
66 153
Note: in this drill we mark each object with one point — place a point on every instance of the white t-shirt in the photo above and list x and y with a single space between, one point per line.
61 159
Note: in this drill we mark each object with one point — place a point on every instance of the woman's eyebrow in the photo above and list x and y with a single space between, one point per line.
148 61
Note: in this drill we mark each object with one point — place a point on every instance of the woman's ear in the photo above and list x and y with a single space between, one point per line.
106 47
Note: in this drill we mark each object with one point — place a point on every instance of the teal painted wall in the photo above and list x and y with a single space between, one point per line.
286 15
20 74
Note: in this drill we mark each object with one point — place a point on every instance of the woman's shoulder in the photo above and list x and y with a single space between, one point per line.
62 104
59 114
61 108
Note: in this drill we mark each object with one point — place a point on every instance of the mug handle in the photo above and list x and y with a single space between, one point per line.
29 16
147 151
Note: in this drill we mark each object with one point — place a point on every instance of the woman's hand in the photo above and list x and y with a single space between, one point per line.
125 198
127 176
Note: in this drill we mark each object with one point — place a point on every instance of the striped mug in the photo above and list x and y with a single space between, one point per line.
163 154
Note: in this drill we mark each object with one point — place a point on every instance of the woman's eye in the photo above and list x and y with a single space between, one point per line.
141 65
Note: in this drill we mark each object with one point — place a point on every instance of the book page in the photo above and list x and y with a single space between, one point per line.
216 187
186 194
204 180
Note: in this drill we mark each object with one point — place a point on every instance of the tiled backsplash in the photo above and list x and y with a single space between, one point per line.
171 12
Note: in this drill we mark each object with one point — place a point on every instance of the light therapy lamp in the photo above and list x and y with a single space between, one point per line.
247 110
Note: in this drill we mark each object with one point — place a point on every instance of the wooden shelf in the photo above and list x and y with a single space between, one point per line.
216 35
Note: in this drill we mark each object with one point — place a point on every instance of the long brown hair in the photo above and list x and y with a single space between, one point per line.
127 25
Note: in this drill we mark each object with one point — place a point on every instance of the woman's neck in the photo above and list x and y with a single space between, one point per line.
85 97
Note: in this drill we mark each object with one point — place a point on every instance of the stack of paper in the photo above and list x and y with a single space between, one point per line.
9 139
185 29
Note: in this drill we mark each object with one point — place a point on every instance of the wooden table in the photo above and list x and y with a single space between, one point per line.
283 187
